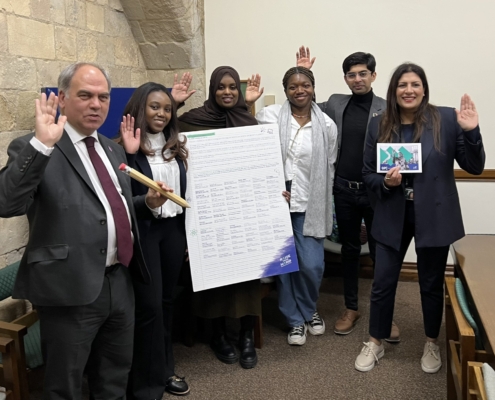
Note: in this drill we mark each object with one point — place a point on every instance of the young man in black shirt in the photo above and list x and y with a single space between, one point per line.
352 113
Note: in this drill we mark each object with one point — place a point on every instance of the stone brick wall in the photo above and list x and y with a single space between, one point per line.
136 40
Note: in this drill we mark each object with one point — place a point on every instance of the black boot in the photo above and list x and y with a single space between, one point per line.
248 358
223 349
177 385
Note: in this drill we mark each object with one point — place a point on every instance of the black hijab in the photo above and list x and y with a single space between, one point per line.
214 116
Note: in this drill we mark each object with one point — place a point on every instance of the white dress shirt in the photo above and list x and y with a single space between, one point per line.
82 150
164 171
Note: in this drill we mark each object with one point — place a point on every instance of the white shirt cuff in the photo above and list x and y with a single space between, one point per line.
47 151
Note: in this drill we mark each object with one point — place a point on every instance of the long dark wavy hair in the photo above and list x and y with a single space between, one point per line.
427 114
136 107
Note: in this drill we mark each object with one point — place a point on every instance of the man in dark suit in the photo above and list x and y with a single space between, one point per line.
83 247
352 113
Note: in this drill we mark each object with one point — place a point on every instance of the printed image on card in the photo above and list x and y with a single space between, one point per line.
407 156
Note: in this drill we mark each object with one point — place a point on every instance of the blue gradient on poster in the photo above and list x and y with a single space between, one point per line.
285 261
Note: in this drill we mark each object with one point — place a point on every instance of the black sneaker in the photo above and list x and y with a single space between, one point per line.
316 326
297 335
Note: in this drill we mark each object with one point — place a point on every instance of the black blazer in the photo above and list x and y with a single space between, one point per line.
436 201
64 260
139 161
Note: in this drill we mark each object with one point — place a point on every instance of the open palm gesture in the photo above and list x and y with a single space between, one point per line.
467 117
130 139
253 91
46 130
303 58
180 89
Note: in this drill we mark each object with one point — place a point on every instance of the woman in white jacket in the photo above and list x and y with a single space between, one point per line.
308 141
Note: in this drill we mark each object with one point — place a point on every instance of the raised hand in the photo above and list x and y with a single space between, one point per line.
253 91
180 89
46 130
130 139
303 57
467 117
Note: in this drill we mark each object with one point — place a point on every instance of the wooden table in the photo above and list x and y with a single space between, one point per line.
474 261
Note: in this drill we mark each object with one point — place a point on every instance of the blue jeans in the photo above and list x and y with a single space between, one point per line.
298 291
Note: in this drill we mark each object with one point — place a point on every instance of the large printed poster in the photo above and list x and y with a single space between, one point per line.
238 227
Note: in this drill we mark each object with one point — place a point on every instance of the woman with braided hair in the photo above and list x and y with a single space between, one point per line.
308 141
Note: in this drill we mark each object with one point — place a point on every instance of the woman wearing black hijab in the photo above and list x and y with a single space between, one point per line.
226 108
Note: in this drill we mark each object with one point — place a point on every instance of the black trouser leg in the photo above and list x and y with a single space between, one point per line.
351 206
431 272
247 322
368 215
172 254
153 361
99 334
218 326
110 360
387 271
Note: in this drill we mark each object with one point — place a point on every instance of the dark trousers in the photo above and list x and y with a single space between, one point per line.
431 263
351 206
96 338
219 325
164 250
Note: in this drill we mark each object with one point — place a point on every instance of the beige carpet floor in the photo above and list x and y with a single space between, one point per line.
324 367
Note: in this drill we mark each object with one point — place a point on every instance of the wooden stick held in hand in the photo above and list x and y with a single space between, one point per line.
153 185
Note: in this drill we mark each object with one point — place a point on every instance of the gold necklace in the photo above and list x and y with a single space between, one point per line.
301 116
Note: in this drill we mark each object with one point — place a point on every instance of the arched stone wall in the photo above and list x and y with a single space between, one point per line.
136 40
169 32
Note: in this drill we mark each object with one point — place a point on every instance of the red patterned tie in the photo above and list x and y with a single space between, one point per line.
122 226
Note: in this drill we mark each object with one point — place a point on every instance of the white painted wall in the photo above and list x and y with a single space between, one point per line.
451 39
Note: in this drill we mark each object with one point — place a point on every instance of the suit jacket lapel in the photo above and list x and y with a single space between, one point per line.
183 180
375 109
339 114
143 164
67 148
426 143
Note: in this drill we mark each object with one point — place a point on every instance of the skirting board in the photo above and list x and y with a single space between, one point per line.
409 271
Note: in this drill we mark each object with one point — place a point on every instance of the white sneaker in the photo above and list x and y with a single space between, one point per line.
431 361
297 335
316 326
370 354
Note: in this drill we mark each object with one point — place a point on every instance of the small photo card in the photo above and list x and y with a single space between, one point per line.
407 156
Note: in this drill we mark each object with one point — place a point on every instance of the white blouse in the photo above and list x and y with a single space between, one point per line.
298 163
167 172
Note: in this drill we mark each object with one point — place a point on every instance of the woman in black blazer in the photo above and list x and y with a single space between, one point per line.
424 206
157 150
